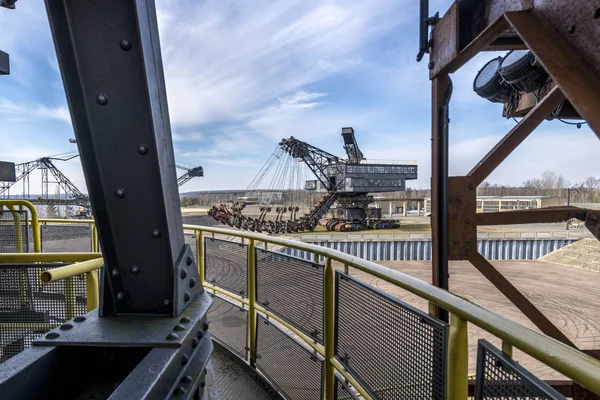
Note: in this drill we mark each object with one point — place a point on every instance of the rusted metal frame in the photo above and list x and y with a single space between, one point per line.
462 229
567 68
518 299
535 216
516 136
439 86
480 43
592 222
564 387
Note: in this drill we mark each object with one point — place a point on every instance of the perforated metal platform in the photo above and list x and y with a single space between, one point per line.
231 382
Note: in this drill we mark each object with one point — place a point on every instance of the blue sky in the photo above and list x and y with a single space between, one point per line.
241 75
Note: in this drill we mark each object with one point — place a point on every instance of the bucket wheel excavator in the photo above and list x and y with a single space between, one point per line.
345 186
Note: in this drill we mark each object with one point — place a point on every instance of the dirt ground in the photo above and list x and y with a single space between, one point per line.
567 296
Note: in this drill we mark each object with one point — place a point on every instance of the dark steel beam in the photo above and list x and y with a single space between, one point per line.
516 136
439 184
567 68
518 299
537 216
4 63
110 60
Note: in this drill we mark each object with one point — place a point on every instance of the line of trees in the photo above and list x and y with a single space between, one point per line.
549 184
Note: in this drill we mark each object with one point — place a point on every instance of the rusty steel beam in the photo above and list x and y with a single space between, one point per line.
446 57
516 136
567 68
536 216
518 299
462 229
592 222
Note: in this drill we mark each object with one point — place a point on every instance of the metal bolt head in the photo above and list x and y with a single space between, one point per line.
189 260
179 391
200 334
166 302
186 296
135 270
192 282
185 320
179 328
572 29
52 335
186 379
156 233
125 44
120 296
195 342
102 99
79 319
120 193
143 149
65 327
172 336
114 272
183 273
430 65
184 359
205 325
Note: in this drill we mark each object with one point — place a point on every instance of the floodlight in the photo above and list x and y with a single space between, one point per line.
520 70
490 85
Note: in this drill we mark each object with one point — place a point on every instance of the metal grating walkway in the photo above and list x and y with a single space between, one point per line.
229 381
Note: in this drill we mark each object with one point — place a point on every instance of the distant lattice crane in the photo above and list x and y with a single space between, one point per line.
194 172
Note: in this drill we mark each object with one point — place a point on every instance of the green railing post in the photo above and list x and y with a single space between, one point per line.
507 349
252 301
92 290
328 289
200 253
458 359
94 238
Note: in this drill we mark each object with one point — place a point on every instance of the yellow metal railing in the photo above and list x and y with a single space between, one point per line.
566 360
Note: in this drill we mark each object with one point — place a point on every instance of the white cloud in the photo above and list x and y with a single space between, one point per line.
224 60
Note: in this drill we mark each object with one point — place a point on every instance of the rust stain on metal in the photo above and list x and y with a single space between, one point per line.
462 230
444 41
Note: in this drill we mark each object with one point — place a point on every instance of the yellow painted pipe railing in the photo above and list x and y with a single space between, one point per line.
566 360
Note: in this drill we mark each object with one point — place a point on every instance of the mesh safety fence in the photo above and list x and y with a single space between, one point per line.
342 391
14 231
499 377
226 265
292 369
29 308
66 238
228 325
393 349
292 288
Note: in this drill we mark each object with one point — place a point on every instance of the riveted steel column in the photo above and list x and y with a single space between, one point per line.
110 60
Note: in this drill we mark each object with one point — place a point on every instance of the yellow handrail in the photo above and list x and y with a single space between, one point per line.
35 225
70 271
566 360
570 362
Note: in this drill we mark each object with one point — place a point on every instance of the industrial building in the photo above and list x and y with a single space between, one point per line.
505 203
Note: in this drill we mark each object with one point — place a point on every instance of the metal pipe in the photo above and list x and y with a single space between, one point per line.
200 254
70 271
252 301
458 359
329 331
35 225
29 258
92 290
